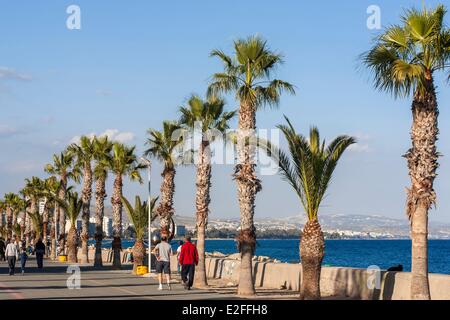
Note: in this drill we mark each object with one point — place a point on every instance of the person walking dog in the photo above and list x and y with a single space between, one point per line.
188 260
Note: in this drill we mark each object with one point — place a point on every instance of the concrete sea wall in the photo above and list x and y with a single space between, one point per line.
341 282
334 281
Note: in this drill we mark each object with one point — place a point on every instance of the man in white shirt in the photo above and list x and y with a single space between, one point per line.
11 254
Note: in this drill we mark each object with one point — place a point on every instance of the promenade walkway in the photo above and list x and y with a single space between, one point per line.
51 284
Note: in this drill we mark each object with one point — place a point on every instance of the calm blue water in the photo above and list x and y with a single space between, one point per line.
344 253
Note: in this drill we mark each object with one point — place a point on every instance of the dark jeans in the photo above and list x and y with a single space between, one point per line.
188 271
2 256
12 264
23 261
40 259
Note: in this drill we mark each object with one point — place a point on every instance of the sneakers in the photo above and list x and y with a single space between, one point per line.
160 287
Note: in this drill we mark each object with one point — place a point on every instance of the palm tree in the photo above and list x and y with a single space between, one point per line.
308 169
102 156
2 210
16 231
63 167
33 191
9 203
18 205
51 191
72 205
248 75
162 145
123 163
84 151
212 119
139 217
403 61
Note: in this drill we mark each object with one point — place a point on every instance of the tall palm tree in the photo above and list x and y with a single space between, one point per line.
16 231
403 60
18 206
9 203
162 146
84 152
123 163
63 166
212 119
72 206
32 192
2 210
139 217
51 191
102 156
248 75
308 169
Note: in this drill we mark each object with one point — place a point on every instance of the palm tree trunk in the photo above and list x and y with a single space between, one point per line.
165 208
72 245
62 217
202 206
138 254
86 198
9 219
45 223
248 185
312 247
22 225
116 201
422 164
55 229
100 195
27 228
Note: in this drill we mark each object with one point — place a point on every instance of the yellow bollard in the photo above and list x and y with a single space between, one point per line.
141 270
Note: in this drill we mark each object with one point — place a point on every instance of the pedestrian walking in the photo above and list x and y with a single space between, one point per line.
40 251
48 245
11 255
2 250
23 257
163 251
188 260
178 255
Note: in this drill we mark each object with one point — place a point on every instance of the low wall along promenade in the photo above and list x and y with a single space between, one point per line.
334 281
340 282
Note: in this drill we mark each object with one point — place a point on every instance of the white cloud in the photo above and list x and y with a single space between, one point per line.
112 134
7 130
11 74
21 167
359 148
362 145
103 93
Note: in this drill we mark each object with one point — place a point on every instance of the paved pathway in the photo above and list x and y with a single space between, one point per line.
51 283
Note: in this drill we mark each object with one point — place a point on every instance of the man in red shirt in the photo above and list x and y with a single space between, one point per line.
188 260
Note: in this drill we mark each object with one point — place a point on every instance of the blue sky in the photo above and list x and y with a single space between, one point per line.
133 64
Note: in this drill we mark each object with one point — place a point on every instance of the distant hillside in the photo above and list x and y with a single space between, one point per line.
347 225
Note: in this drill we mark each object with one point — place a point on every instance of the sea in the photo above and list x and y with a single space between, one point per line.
341 253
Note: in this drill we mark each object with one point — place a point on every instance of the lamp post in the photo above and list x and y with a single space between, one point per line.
149 178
